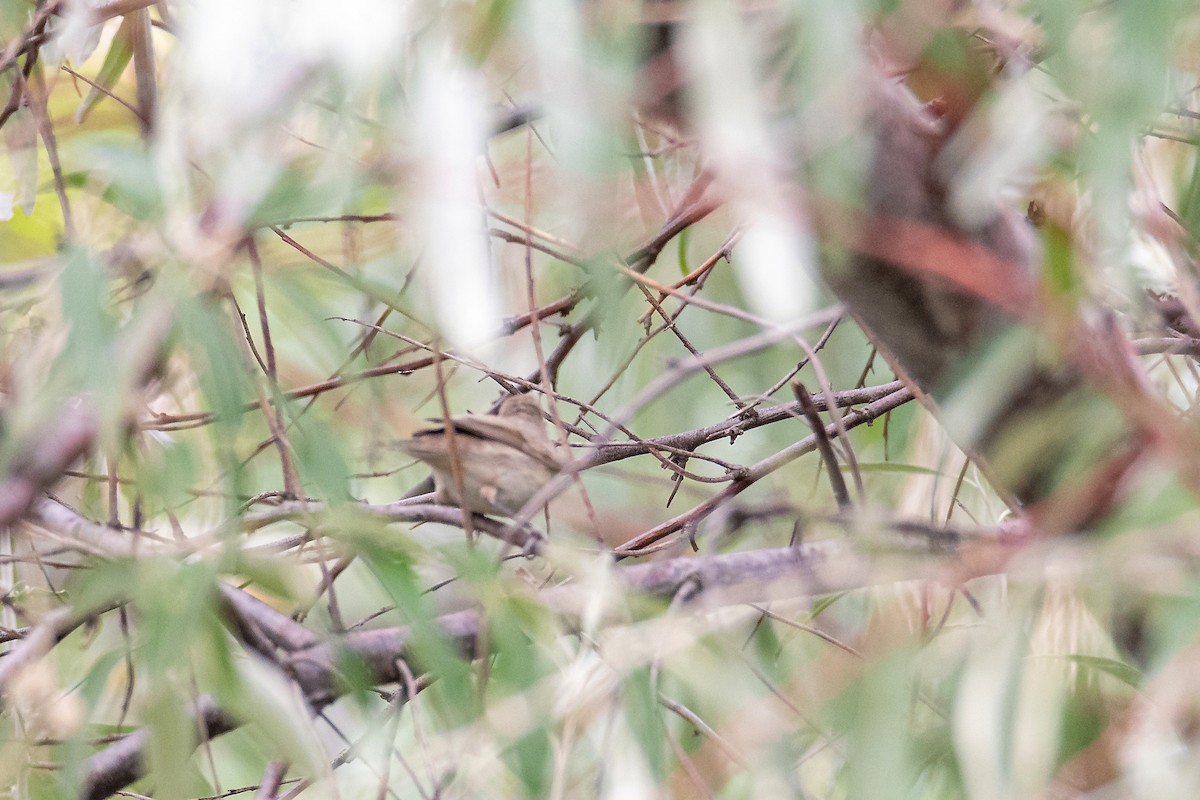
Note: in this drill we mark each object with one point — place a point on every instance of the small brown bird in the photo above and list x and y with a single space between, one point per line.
502 460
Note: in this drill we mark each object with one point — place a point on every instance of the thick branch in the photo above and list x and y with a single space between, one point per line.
122 763
716 580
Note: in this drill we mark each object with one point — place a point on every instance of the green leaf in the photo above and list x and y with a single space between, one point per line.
490 24
1060 274
1122 671
266 698
295 193
823 603
431 649
645 721
682 249
219 363
1083 722
175 603
1174 621
167 469
89 351
28 237
105 583
171 740
119 54
531 758
876 713
892 466
318 454
94 682
266 573
126 173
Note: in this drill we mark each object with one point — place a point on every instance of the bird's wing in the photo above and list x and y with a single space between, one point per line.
494 429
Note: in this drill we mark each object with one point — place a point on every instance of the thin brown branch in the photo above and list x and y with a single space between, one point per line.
37 642
272 412
402 511
670 323
836 481
273 777
688 441
39 99
758 471
106 92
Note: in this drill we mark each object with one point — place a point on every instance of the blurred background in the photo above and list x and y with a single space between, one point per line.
775 269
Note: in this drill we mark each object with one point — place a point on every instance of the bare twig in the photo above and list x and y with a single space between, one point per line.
809 409
759 470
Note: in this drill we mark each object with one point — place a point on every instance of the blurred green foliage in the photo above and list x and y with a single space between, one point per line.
292 269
